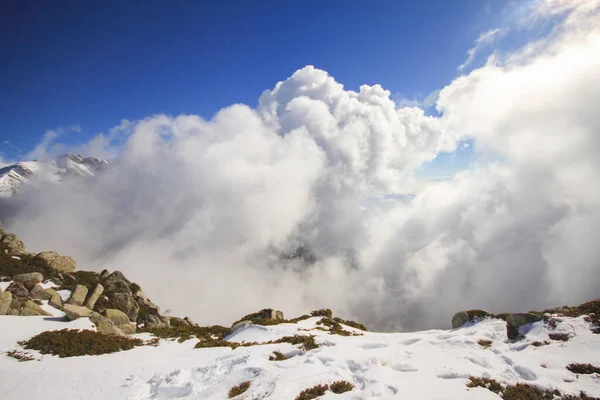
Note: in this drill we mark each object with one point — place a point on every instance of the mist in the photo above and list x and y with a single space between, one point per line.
206 215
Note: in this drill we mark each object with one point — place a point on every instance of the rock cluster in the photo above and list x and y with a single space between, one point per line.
513 321
113 303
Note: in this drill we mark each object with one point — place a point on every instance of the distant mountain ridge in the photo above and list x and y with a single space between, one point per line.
29 173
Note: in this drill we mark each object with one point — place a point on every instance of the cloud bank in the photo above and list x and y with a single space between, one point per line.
281 205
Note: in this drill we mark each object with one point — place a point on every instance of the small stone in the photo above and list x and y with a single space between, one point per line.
104 325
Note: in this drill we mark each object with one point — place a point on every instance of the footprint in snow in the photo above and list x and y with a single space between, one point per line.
369 346
408 342
402 367
525 373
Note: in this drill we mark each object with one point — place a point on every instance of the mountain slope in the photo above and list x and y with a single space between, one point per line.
428 365
31 173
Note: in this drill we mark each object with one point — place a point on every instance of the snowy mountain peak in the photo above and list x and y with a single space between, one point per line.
30 173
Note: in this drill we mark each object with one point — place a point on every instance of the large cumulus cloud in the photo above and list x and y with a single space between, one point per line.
206 214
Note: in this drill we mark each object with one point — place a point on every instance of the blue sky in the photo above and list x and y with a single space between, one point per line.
81 68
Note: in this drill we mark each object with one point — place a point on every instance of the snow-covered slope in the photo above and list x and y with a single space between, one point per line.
14 177
427 365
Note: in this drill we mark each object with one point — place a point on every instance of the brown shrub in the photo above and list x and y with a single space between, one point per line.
341 387
239 389
313 392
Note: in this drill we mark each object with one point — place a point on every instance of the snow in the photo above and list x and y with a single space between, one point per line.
428 365
31 173
48 284
64 294
4 285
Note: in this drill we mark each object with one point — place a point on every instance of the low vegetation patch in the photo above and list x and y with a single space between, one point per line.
20 356
334 327
306 342
583 369
24 263
204 344
590 309
485 343
522 391
239 389
353 324
183 332
341 387
325 312
313 392
278 356
75 342
562 337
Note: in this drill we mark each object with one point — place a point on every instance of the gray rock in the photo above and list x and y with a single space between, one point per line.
128 329
14 243
189 321
125 303
117 276
78 296
20 294
515 321
92 298
275 314
104 274
32 277
5 301
240 325
104 325
57 262
117 316
459 319
74 312
51 295
30 308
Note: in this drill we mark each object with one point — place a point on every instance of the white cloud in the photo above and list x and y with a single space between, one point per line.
200 212
484 39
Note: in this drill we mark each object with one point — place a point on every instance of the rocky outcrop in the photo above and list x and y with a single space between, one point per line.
78 296
5 301
30 308
19 296
74 312
63 264
94 296
13 242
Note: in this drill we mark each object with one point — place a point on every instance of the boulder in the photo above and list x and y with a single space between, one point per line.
462 317
74 312
240 325
275 314
57 262
116 316
104 274
104 325
30 278
92 298
189 321
78 296
15 244
515 321
125 303
128 329
117 277
5 301
30 308
51 295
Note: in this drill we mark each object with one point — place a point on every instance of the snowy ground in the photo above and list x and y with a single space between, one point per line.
422 365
